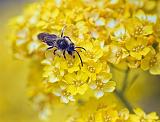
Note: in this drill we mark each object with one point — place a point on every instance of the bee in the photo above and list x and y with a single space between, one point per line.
61 42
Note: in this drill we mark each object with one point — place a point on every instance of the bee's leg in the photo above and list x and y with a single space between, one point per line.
54 52
70 53
49 48
64 54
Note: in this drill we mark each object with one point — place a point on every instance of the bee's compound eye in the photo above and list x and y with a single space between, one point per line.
71 47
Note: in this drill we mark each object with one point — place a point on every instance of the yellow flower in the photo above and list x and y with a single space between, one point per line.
95 111
133 63
64 95
123 115
109 115
149 18
102 84
137 48
95 50
115 54
120 34
137 28
140 116
77 83
151 62
70 64
92 69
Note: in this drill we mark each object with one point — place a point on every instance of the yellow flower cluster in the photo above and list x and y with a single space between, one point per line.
86 26
111 114
101 112
111 31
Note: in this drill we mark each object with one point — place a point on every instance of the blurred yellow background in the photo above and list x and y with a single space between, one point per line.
14 105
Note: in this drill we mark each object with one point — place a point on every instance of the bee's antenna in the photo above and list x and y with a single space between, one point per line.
79 57
62 32
81 48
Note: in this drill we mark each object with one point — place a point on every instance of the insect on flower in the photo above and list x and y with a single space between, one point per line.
62 43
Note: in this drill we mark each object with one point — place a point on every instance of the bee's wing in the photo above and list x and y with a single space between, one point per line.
53 36
50 37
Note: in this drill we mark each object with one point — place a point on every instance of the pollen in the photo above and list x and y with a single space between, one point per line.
101 106
89 54
77 83
119 53
107 118
153 61
138 30
70 64
99 85
91 69
138 48
65 93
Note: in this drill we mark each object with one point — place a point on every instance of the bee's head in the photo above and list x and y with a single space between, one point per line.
71 47
41 36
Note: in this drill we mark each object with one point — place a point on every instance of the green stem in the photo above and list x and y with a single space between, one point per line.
125 81
123 99
119 69
120 93
132 81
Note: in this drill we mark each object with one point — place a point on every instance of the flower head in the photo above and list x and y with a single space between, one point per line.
102 84
110 31
66 74
151 62
137 48
76 83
